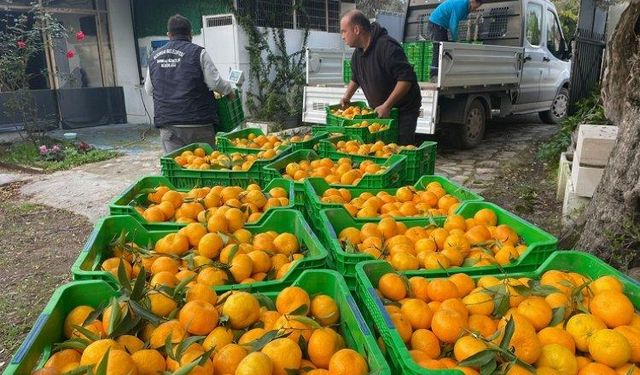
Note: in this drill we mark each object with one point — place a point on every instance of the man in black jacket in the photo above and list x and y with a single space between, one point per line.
380 67
181 78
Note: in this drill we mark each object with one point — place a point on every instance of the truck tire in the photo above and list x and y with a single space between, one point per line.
470 134
558 110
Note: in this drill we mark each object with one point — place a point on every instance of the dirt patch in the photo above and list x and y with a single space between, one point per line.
528 189
38 245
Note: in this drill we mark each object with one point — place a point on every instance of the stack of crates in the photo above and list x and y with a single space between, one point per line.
428 54
418 53
419 56
346 71
415 56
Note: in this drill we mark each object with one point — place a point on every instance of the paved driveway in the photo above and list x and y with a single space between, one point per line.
504 140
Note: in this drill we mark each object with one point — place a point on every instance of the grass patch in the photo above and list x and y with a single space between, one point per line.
25 208
24 153
20 306
527 197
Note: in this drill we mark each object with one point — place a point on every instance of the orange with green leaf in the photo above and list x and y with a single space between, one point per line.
515 325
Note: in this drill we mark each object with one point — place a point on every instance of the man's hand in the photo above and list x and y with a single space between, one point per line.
231 95
344 102
383 111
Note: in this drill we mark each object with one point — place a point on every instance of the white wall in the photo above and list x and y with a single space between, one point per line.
317 39
124 54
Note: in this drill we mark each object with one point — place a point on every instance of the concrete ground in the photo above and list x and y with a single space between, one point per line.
87 189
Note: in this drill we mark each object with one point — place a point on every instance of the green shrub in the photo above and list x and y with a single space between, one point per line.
589 111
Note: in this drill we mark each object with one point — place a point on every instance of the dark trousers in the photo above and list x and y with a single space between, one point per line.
175 137
407 122
437 34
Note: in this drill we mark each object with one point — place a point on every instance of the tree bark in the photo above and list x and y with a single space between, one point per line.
610 224
622 49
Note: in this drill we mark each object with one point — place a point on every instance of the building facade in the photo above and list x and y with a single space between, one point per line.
102 82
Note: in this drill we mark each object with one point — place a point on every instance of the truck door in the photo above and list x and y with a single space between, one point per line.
534 54
555 68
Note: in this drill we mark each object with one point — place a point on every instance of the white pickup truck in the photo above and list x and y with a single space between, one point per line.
522 66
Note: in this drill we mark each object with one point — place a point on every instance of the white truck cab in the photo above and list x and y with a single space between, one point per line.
522 66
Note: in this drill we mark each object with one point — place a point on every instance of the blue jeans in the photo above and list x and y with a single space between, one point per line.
437 34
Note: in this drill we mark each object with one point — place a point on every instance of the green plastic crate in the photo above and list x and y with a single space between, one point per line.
48 329
540 244
37 347
391 177
223 140
96 250
183 178
415 56
333 120
387 136
420 161
369 273
230 113
419 57
427 57
346 70
327 149
315 188
123 203
352 324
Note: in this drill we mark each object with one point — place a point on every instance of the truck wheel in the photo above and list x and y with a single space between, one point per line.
558 110
470 134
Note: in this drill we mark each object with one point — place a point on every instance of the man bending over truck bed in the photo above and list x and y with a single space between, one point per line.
445 19
380 67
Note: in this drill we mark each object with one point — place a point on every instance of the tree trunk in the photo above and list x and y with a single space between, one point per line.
610 224
622 49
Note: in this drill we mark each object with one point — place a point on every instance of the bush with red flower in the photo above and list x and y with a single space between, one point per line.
23 38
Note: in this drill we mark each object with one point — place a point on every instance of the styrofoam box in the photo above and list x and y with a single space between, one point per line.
594 144
564 175
585 179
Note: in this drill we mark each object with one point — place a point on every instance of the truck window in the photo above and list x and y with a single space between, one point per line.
554 37
534 24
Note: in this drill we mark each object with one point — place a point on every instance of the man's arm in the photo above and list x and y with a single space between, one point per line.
401 89
148 86
398 67
351 89
212 77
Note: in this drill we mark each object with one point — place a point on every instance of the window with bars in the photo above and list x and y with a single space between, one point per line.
313 14
268 13
333 16
321 15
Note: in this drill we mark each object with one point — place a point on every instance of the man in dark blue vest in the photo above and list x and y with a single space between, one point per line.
181 78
